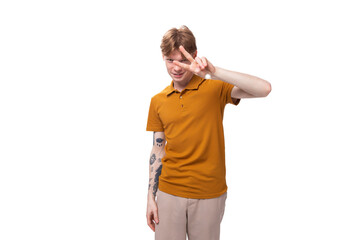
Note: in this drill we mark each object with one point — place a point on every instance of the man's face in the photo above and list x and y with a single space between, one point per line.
177 73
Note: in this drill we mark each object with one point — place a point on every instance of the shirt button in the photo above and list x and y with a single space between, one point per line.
180 96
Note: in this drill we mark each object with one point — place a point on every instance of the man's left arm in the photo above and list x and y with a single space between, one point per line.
245 85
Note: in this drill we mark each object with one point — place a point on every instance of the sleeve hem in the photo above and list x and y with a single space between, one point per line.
237 101
153 129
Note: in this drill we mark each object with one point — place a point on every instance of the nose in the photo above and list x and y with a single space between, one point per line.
177 68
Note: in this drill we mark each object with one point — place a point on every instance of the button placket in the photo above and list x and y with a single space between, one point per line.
181 100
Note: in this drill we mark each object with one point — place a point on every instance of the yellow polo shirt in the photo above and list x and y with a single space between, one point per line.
194 161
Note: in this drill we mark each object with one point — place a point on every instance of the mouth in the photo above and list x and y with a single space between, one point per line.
178 75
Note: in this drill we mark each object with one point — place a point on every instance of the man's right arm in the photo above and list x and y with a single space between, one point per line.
155 167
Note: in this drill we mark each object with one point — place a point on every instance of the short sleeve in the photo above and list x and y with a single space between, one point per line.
154 123
226 94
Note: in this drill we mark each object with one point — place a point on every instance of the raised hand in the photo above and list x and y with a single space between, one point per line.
198 66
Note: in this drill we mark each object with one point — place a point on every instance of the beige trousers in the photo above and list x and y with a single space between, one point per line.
198 218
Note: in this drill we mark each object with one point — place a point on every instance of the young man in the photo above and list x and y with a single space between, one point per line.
187 163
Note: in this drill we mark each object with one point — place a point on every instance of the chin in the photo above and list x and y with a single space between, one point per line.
177 79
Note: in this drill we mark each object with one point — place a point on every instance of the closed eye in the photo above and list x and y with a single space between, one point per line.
182 61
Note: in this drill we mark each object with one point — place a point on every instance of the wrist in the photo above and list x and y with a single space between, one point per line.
211 73
151 195
215 73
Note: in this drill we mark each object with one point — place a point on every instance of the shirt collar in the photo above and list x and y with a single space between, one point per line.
194 84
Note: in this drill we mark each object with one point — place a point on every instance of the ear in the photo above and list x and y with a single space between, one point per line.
195 54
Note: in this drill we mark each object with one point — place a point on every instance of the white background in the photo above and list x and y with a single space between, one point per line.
76 82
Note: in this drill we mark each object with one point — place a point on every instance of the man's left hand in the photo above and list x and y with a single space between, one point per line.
199 66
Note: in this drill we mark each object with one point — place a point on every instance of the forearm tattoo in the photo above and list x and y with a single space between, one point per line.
156 180
152 159
155 166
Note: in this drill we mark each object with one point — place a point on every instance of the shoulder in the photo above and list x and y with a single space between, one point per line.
161 96
214 85
218 82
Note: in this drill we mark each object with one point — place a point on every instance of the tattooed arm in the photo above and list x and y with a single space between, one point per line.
155 166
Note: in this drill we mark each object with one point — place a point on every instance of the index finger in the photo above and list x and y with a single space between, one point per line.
186 54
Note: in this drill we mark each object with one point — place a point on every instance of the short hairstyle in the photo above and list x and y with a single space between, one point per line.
174 38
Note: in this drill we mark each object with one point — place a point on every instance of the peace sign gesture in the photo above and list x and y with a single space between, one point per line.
199 66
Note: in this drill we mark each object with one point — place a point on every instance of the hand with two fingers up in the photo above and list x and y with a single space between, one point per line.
199 66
